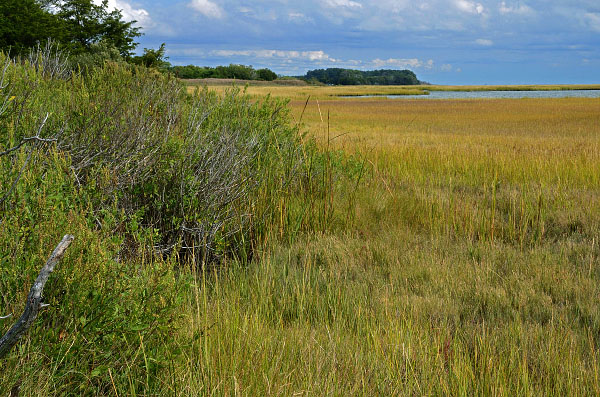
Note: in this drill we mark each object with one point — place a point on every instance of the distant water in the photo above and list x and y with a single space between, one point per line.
496 94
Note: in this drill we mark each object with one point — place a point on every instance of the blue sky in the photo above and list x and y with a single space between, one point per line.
442 41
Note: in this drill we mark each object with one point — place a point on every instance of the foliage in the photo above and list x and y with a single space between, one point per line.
266 74
77 25
233 71
153 58
149 180
338 76
96 56
86 22
24 23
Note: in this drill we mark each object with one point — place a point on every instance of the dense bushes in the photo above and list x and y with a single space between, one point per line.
147 178
188 167
338 76
233 71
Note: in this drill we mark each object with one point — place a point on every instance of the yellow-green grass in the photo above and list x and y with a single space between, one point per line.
464 260
288 90
322 91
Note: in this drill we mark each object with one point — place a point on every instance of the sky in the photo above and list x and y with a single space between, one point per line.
442 41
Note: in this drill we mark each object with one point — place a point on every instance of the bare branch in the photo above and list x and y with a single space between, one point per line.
5 317
35 138
34 299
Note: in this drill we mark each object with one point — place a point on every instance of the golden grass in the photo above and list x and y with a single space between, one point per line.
465 260
322 91
260 89
451 156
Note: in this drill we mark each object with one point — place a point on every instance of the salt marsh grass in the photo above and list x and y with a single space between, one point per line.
411 247
467 263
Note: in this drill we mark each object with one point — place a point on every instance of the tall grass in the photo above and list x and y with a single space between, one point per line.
468 266
396 248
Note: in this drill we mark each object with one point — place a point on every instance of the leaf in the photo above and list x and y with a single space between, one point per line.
139 327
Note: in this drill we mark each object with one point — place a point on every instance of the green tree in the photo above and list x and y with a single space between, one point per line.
153 58
24 23
75 24
266 74
87 23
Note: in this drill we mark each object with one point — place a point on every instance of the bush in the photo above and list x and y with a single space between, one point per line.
148 179
266 74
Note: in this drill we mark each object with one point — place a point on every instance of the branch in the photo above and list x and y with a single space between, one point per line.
36 138
34 299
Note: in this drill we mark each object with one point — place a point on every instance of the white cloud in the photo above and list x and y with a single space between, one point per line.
446 67
129 13
342 3
484 42
402 63
470 6
593 21
521 9
207 8
318 56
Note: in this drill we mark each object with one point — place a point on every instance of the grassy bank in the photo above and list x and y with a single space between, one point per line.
288 90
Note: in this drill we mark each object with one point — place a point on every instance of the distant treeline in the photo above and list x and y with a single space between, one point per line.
338 76
233 71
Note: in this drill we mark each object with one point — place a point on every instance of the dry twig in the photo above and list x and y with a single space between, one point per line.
34 299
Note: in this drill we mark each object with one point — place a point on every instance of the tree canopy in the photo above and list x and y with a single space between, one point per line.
75 25
339 76
23 23
233 71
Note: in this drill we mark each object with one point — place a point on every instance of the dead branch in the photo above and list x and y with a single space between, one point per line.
35 138
34 299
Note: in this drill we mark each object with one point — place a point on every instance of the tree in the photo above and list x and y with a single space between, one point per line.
24 23
266 74
358 77
87 23
74 24
153 58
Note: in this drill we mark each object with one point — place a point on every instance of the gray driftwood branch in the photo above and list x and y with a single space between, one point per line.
34 299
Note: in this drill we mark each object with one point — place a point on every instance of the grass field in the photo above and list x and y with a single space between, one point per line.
462 259
292 89
396 247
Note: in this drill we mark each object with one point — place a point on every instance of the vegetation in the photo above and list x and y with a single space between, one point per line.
156 185
400 247
338 76
233 71
76 25
320 92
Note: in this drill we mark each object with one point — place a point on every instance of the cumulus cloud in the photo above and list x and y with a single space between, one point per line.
470 6
593 21
521 9
320 56
129 12
402 63
207 8
484 42
299 17
342 3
